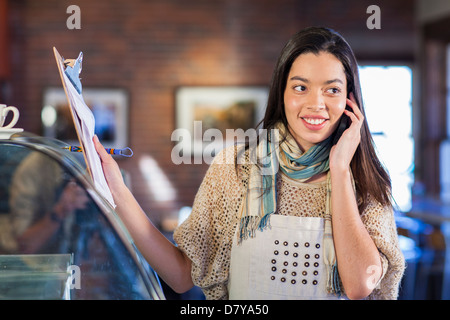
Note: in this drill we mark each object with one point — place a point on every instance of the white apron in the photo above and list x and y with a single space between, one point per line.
284 261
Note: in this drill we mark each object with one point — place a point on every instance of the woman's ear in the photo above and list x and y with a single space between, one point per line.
351 96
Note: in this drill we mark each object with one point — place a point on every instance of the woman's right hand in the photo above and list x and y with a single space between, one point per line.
171 264
111 169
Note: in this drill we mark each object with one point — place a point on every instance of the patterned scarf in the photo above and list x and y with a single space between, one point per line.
259 202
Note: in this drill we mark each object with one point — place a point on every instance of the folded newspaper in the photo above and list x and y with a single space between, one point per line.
84 121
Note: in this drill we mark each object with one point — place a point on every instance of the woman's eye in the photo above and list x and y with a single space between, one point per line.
300 88
334 90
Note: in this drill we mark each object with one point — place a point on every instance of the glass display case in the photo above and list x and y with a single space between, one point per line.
59 238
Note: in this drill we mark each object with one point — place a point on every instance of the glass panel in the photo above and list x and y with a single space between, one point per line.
47 208
35 276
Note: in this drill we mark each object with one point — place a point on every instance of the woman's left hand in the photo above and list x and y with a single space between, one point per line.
342 152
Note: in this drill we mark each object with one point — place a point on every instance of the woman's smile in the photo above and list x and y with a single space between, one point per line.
314 122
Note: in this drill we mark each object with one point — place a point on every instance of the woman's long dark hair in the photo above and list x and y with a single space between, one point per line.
371 179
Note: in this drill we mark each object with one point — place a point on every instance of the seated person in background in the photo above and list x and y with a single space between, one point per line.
43 199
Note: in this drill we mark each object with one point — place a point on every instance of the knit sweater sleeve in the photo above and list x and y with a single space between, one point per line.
380 224
206 235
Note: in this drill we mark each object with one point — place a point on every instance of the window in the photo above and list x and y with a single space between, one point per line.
387 96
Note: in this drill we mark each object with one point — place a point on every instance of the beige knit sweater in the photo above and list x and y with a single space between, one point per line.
206 236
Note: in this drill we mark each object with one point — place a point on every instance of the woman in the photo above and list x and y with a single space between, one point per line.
321 227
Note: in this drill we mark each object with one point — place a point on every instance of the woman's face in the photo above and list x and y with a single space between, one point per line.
315 97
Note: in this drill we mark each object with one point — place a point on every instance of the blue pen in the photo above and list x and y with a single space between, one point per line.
125 152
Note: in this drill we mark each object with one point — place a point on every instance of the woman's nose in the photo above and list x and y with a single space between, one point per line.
315 102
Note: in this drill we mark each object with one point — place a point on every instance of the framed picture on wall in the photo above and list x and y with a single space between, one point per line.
109 107
220 110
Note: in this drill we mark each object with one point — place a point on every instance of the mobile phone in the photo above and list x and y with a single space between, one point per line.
343 125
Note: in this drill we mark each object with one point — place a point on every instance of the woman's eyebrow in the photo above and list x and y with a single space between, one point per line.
299 78
334 80
326 82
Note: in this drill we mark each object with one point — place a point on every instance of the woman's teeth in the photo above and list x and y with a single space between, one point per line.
314 121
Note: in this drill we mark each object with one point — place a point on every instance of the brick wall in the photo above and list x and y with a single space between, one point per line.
150 48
